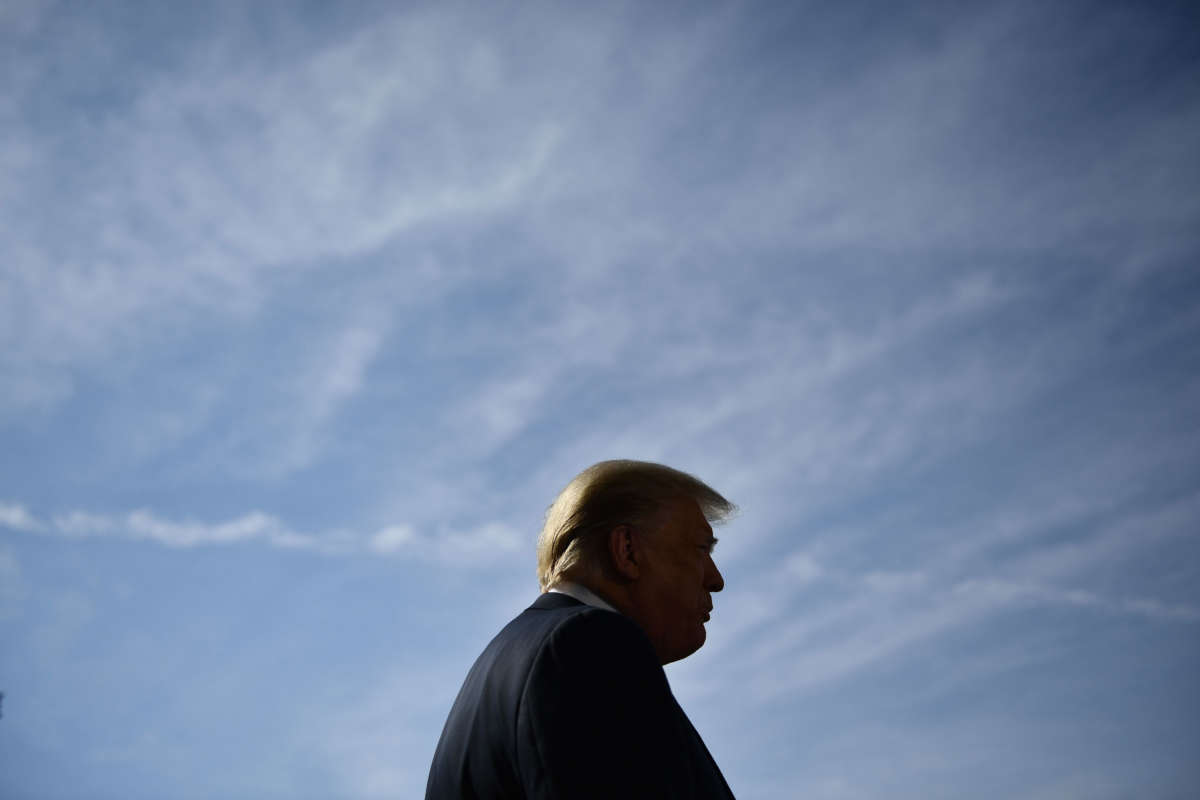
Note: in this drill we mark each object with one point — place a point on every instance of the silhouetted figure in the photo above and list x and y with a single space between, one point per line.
570 700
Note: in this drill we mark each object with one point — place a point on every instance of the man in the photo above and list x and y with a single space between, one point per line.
570 699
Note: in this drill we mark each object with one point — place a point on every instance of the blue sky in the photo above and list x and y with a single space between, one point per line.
308 310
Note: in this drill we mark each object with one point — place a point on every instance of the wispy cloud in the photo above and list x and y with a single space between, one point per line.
852 621
17 517
473 546
342 371
1006 593
333 375
144 524
496 411
365 287
861 633
236 165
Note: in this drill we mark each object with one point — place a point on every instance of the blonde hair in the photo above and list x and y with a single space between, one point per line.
573 542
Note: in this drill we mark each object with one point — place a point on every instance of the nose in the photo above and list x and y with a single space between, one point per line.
713 580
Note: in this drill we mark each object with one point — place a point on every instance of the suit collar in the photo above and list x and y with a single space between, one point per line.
583 594
549 600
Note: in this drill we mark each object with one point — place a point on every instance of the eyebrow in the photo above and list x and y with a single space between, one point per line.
712 543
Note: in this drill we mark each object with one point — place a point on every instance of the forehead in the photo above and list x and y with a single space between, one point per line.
684 521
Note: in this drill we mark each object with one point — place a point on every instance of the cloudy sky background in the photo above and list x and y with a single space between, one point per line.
308 310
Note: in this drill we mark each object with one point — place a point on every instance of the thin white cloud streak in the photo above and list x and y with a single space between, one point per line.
777 374
843 440
1016 593
343 372
884 159
310 118
254 420
143 524
334 375
876 617
491 540
1114 537
288 175
304 181
868 164
846 626
471 546
850 621
315 178
494 412
865 635
816 646
17 517
1096 497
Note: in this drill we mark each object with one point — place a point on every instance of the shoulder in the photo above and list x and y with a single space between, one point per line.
562 622
598 635
596 652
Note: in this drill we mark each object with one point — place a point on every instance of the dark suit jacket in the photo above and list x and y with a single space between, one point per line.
569 702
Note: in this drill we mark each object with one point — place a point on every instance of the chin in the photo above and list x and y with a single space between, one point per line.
695 644
683 649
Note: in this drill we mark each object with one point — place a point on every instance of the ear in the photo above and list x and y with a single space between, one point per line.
625 553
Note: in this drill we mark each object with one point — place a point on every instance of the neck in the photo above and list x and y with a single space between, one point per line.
619 596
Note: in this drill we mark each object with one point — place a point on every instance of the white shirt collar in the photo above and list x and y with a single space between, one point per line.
582 594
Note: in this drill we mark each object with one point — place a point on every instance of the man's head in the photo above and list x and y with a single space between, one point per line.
639 534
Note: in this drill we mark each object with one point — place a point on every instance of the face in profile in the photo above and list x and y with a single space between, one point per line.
677 580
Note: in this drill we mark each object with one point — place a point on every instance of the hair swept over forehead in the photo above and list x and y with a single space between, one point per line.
608 494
